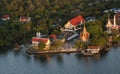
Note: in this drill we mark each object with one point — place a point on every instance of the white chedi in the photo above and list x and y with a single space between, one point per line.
38 34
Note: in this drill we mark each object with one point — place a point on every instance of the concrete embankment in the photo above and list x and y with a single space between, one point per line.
34 51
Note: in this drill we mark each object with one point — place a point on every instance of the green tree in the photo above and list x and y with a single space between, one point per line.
79 44
56 44
41 45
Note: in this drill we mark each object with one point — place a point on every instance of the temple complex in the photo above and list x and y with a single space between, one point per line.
112 24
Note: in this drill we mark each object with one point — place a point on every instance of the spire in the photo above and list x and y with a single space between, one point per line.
84 29
109 24
115 26
84 35
114 20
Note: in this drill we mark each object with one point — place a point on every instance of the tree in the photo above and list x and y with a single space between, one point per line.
41 45
98 36
95 29
56 44
80 44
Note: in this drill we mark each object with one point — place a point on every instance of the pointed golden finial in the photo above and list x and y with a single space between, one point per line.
84 29
84 35
108 16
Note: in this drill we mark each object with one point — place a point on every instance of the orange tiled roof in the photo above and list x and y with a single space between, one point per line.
77 20
23 19
37 39
93 47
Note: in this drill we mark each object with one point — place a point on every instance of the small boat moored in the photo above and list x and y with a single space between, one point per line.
17 47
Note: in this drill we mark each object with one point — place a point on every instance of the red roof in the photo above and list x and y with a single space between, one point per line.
92 47
23 19
6 16
117 14
37 39
53 36
77 20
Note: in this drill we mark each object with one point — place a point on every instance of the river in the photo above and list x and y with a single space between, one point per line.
12 62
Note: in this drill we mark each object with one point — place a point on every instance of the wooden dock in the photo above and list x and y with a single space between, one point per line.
34 51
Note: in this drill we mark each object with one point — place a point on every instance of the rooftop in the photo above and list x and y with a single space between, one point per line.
77 20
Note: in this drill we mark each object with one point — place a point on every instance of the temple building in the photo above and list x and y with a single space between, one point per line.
109 26
84 36
74 24
113 24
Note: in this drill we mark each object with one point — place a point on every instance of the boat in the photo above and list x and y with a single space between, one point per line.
108 48
18 47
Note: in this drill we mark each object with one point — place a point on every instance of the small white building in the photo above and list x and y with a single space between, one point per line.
93 49
36 40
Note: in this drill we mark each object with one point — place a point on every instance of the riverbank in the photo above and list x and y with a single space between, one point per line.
31 50
36 51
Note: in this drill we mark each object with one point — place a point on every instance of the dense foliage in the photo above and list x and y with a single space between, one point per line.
46 16
41 45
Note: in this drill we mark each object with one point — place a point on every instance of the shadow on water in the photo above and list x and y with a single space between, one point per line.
78 56
59 58
4 51
103 54
16 53
44 58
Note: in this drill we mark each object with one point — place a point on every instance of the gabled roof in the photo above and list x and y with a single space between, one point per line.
93 47
6 16
37 39
53 36
77 20
23 19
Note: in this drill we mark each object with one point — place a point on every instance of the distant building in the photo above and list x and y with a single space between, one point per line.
24 19
91 50
5 17
84 36
36 40
74 24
